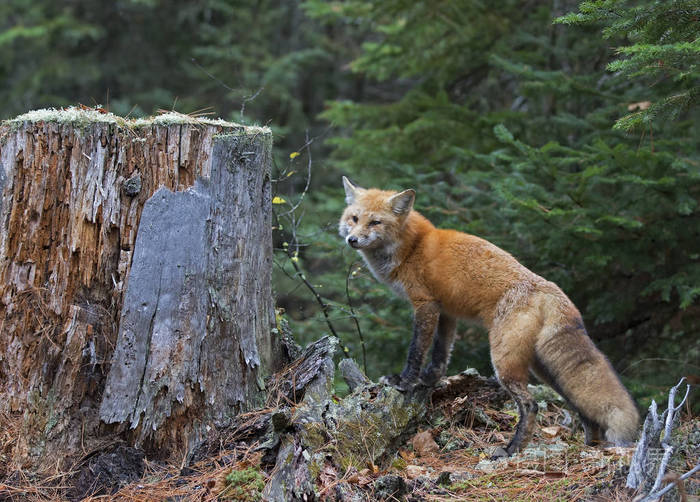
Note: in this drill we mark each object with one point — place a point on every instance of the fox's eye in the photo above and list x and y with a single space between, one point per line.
374 222
354 218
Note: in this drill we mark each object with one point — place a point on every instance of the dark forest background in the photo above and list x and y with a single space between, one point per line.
566 133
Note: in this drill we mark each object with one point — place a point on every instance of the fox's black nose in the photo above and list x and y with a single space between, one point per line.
352 240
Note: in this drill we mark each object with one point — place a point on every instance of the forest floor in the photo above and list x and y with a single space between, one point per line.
447 459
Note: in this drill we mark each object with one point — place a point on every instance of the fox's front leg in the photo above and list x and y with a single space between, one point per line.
426 315
446 330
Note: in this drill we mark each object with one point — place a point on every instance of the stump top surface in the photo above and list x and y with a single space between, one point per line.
79 116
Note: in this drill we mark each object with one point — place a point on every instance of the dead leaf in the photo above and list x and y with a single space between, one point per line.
364 481
359 478
328 475
407 455
554 474
413 471
530 472
424 444
551 432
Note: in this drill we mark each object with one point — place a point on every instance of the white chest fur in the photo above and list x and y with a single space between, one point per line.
381 263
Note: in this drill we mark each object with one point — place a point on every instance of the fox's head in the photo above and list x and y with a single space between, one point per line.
374 218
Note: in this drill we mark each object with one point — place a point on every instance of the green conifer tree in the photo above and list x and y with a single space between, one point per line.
574 145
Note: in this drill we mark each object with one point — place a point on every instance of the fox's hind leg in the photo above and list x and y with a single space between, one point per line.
442 346
527 408
512 352
592 432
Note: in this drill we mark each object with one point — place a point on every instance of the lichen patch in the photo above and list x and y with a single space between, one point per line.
84 116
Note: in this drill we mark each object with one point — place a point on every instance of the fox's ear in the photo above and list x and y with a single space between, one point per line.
351 191
402 202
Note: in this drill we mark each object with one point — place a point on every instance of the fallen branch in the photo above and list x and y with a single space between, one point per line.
657 495
650 440
326 437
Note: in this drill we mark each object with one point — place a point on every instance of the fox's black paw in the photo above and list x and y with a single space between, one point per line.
429 377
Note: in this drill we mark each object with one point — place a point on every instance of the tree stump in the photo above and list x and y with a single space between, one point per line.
135 298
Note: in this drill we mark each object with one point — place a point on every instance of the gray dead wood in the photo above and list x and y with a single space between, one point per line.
329 436
198 311
165 300
325 435
654 450
352 374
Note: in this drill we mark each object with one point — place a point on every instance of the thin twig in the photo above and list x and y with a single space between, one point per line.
220 82
354 317
293 253
194 62
324 306
306 146
250 98
667 488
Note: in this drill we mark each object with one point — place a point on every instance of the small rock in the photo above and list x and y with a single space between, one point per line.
345 493
132 186
458 477
444 478
352 374
449 442
489 466
544 393
389 486
105 473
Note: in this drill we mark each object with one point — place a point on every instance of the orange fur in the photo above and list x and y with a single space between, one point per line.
533 326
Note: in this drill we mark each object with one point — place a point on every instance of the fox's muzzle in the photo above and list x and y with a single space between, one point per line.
352 241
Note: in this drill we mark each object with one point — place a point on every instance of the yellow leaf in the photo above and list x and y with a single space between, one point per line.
278 200
294 155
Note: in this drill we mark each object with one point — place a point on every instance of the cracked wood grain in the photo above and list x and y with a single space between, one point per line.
71 213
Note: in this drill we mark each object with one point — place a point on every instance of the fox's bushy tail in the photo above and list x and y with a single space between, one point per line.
568 360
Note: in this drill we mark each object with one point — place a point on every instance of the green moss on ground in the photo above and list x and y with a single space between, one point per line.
245 485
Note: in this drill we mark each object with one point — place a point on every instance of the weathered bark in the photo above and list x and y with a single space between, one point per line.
318 433
118 270
352 375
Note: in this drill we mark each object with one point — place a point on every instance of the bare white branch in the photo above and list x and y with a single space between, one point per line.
667 488
651 439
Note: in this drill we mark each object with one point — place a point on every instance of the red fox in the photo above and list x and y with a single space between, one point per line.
532 324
